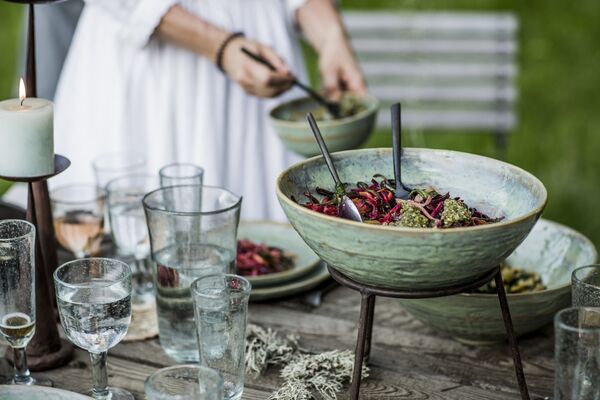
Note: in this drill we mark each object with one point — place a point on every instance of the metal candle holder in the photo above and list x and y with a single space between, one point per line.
367 311
46 350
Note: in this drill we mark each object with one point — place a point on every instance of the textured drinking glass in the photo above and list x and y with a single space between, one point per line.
94 303
17 291
585 286
188 240
129 230
577 354
184 382
78 212
113 165
181 174
221 311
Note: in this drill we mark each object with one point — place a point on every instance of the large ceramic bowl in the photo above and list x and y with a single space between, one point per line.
553 251
339 134
417 258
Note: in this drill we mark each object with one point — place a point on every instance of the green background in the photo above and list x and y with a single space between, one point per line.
559 92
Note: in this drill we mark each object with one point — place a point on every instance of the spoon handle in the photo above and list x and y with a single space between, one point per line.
397 143
324 150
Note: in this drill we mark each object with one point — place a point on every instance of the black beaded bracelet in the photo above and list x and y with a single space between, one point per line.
219 59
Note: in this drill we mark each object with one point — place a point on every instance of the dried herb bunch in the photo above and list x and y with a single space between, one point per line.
425 208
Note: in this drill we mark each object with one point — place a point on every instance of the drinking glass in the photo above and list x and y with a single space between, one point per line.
129 230
181 174
221 311
184 382
78 211
113 165
188 240
585 286
94 303
577 354
17 292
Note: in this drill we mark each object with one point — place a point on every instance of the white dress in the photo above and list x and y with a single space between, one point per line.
121 89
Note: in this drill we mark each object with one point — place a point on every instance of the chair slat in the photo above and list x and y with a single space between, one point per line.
501 122
434 46
434 21
384 69
476 94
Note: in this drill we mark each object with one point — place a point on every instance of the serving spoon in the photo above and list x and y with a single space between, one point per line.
332 107
401 192
347 209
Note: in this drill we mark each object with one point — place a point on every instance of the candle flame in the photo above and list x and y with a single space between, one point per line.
22 94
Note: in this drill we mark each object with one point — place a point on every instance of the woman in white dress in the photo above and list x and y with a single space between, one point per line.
142 76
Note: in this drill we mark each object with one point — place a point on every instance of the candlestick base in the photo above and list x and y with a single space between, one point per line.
45 350
60 164
45 361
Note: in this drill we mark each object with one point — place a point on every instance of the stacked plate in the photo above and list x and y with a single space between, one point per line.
308 270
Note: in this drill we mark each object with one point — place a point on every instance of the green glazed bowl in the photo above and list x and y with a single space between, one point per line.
416 258
552 250
339 134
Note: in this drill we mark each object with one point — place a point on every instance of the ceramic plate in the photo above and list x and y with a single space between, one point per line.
285 237
303 284
12 392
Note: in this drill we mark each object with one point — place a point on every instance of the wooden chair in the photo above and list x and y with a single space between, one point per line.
451 71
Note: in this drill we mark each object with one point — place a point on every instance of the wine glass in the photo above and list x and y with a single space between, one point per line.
129 230
94 303
78 211
17 293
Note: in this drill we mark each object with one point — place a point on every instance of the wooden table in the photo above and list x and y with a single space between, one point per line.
408 359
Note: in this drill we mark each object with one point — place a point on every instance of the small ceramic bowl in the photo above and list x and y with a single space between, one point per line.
339 134
553 251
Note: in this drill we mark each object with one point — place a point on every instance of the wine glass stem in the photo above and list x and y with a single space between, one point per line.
99 375
22 375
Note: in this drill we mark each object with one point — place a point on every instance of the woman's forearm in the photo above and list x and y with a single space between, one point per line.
319 21
187 30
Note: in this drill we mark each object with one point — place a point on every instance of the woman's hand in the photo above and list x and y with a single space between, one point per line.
339 69
253 77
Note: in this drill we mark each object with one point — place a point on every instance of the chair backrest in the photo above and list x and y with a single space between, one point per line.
450 71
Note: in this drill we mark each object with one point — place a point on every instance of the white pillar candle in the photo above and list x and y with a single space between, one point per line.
26 136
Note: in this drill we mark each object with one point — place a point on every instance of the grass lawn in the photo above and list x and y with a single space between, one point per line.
559 85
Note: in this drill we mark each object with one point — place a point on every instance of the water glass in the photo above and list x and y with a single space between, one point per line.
184 382
181 174
577 354
78 211
129 230
113 165
221 311
17 292
94 303
585 286
188 240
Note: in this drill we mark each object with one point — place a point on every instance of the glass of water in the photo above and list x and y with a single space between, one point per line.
129 230
188 240
577 354
94 303
113 165
585 286
221 311
181 174
17 292
184 382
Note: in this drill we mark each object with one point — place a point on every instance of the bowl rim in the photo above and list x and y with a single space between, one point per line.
412 231
568 229
372 107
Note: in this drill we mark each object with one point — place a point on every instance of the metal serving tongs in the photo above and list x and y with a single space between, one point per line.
402 192
332 107
347 208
